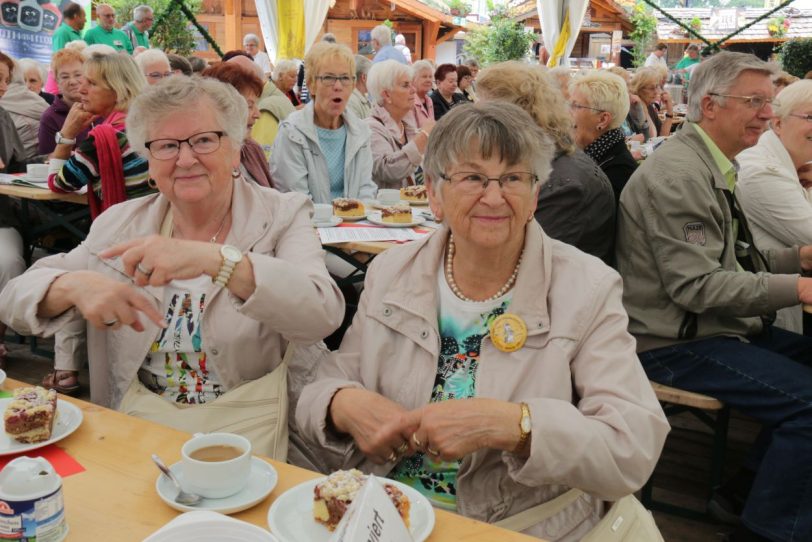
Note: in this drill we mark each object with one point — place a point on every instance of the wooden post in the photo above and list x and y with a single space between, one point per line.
430 31
232 10
617 38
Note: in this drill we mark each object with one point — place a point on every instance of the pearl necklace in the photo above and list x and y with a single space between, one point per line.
449 276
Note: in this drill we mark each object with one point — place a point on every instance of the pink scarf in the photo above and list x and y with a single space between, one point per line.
110 166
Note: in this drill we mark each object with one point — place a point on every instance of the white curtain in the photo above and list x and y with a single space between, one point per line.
552 14
266 12
315 14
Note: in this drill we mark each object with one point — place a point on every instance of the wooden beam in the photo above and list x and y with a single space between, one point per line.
232 11
430 31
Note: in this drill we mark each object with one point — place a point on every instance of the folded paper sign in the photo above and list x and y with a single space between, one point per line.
371 518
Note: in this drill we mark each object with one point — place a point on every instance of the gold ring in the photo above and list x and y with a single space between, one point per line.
416 442
392 457
403 448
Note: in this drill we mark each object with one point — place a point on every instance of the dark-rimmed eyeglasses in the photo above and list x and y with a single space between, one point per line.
575 105
471 182
167 149
330 80
753 102
807 118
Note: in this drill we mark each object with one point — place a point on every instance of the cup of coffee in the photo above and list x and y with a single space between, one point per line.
388 196
36 171
322 212
216 465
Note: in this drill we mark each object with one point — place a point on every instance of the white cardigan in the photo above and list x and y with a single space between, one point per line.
777 207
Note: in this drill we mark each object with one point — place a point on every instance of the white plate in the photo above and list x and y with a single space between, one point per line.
204 526
68 419
261 482
352 218
417 203
332 223
375 218
291 515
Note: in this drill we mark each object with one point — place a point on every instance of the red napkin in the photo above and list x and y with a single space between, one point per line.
64 464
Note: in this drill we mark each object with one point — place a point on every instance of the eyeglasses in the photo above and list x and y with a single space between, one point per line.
160 75
807 118
753 102
330 80
575 105
202 143
65 77
472 183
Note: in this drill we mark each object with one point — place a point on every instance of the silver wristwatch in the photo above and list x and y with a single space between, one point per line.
62 140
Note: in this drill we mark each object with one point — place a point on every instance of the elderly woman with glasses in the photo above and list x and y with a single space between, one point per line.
647 84
772 189
154 64
489 366
323 150
192 291
397 147
599 103
66 65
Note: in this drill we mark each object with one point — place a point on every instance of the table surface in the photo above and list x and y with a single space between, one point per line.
115 498
368 247
38 194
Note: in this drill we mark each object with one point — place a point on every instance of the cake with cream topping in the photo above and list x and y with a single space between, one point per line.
333 496
348 208
397 214
29 417
416 193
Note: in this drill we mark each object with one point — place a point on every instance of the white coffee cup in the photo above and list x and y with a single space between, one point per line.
388 196
322 212
215 479
37 171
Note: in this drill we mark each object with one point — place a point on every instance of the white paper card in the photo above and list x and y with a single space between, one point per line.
371 518
346 235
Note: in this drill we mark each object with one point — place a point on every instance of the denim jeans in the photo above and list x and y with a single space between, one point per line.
770 380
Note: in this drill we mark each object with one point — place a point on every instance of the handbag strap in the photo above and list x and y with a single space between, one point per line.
542 512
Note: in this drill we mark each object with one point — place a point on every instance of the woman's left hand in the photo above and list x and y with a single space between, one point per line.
452 429
157 260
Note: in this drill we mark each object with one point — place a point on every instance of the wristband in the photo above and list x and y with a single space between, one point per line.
669 116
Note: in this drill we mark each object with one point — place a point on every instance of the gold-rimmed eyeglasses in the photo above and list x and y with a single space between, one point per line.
471 182
753 102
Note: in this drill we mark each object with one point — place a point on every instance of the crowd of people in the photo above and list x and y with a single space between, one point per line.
496 363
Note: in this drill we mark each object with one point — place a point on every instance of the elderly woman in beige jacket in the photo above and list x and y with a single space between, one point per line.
489 366
196 289
397 146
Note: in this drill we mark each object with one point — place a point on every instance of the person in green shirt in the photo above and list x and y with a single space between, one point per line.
106 32
691 57
137 30
73 21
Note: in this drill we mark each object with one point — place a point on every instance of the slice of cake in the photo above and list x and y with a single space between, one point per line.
348 208
397 214
333 496
29 417
416 193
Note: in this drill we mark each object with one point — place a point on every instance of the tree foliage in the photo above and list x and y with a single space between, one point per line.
796 56
174 35
502 40
645 30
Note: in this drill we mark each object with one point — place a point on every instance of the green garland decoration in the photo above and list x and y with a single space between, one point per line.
715 47
178 4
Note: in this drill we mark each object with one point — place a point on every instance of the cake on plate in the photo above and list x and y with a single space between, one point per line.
397 214
416 193
333 496
29 417
348 208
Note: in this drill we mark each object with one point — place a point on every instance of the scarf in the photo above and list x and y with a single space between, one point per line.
597 149
110 166
252 157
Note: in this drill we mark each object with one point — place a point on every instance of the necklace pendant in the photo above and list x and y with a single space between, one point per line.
508 332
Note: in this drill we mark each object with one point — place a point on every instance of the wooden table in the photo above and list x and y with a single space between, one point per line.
38 194
115 498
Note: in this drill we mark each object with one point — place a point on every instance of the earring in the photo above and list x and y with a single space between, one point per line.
151 183
235 173
530 218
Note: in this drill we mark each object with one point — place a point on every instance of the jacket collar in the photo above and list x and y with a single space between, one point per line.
690 137
380 114
304 121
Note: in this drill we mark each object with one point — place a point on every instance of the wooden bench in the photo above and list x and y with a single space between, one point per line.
675 401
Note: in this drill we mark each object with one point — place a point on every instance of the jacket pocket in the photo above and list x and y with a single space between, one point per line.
688 327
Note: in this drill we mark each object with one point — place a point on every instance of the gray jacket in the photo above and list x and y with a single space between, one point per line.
676 253
298 164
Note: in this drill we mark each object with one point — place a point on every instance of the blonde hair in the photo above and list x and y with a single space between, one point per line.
623 73
534 91
794 95
605 91
120 74
644 77
324 54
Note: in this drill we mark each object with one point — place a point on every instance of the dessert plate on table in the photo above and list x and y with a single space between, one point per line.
68 419
413 203
204 526
352 218
261 481
291 515
332 223
375 218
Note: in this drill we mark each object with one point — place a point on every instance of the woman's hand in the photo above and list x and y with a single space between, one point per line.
637 137
667 102
105 303
157 260
77 120
634 99
452 429
380 428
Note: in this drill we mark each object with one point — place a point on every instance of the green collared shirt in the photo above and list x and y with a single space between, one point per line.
115 38
64 35
722 162
141 38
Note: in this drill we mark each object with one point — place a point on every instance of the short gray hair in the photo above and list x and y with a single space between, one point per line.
421 65
793 96
382 34
140 12
97 49
250 38
488 129
150 56
283 66
384 76
181 93
329 37
31 64
718 75
605 91
471 63
362 66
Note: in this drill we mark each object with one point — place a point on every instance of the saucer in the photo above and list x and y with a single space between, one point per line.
332 223
261 482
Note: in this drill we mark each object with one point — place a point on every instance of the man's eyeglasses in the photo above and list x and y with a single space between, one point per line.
330 80
807 118
160 75
753 102
167 149
472 183
575 105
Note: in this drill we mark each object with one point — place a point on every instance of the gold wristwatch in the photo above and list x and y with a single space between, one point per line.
525 427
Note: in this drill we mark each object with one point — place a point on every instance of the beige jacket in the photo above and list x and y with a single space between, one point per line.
393 163
597 425
295 298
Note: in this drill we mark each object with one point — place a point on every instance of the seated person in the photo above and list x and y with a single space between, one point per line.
778 208
488 427
284 76
577 204
647 84
423 82
154 64
323 150
445 95
25 108
192 291
67 67
12 153
179 65
35 74
465 81
700 316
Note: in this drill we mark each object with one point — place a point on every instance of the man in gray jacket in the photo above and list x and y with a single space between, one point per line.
700 315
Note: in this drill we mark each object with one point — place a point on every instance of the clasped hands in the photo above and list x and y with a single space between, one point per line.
385 431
